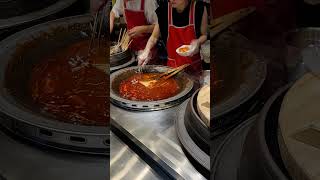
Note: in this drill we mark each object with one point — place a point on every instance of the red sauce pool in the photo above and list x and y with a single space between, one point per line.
76 93
131 88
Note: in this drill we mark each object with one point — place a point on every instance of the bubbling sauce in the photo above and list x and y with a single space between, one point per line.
67 86
133 90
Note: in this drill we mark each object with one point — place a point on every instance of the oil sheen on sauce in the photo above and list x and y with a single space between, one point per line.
67 86
131 89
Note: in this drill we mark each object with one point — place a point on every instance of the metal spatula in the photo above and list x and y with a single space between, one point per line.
163 76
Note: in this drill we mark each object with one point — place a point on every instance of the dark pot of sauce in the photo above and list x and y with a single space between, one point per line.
66 85
22 52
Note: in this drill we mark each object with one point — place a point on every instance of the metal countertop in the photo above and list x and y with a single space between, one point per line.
156 131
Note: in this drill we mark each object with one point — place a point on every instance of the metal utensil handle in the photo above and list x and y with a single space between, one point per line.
224 22
176 71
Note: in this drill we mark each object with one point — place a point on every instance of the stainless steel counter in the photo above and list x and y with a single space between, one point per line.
125 164
156 131
20 159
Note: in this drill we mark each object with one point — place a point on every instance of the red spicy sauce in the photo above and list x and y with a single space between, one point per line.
76 93
131 88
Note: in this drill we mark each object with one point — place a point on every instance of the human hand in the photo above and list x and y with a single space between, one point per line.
136 31
144 57
194 47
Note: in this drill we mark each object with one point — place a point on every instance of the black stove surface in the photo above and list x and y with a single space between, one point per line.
220 140
228 152
12 8
20 160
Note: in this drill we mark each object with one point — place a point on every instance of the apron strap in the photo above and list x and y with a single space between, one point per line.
169 14
142 5
125 4
192 12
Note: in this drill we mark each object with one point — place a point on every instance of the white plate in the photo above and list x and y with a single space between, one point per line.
183 53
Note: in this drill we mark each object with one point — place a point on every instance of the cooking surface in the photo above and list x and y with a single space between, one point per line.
23 51
66 85
132 89
156 131
12 8
185 83
229 149
20 160
299 132
228 78
125 164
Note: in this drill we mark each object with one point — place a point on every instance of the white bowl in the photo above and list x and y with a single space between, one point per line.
187 53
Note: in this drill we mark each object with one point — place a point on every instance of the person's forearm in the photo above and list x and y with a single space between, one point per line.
202 39
112 17
154 37
148 28
145 56
204 27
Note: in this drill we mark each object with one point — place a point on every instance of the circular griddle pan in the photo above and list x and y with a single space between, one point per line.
18 114
197 130
242 75
261 158
16 12
227 160
197 152
251 151
117 77
123 64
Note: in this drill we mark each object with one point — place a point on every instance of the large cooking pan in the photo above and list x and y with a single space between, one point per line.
251 151
19 53
117 77
239 74
16 12
194 136
121 60
261 158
